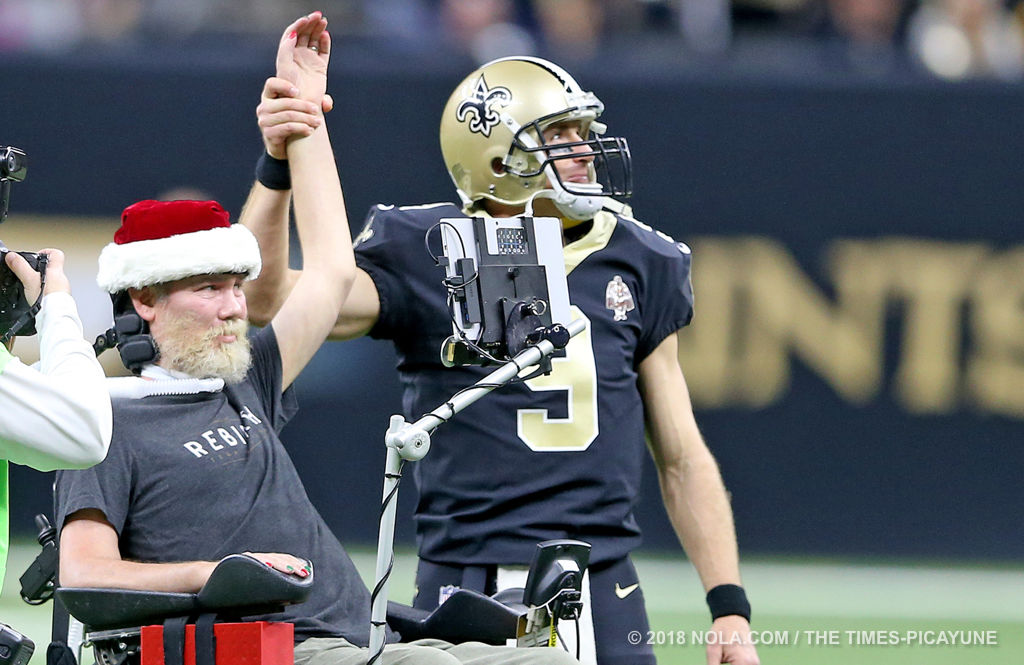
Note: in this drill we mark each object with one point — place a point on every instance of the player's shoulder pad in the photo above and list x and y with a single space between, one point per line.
650 237
390 220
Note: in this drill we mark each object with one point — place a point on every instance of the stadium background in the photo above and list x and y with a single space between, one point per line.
856 355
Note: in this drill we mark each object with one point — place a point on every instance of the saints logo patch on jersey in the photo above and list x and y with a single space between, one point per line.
618 298
479 107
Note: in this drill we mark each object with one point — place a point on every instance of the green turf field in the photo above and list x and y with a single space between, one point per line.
805 611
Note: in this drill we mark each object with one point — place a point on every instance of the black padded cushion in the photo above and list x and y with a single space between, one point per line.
103 609
239 586
242 581
465 616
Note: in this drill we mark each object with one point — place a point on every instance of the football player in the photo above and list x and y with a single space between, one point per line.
560 455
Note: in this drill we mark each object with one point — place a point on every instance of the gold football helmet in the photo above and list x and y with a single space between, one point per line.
492 138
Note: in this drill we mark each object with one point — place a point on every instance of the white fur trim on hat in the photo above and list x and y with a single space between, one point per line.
230 249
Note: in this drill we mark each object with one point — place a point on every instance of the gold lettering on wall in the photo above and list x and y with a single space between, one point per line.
931 281
954 312
995 364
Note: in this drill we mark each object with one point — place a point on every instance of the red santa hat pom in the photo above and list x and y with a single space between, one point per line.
161 241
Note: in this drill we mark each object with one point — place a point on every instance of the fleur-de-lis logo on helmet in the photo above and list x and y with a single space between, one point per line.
479 108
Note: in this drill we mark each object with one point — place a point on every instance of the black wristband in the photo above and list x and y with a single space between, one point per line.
726 599
273 173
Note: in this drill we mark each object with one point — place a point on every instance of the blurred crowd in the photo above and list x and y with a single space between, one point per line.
951 39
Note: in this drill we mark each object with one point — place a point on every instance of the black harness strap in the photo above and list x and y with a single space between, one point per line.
59 653
60 622
206 642
174 640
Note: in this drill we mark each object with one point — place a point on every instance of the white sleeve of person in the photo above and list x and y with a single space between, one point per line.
55 414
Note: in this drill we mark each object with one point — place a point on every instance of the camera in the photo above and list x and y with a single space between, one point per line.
13 167
13 163
16 314
15 648
13 305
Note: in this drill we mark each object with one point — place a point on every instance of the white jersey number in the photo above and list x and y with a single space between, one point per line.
576 374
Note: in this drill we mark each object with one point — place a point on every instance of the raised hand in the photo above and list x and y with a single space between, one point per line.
282 115
303 55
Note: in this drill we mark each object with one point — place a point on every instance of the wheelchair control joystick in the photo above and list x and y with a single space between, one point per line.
553 590
38 580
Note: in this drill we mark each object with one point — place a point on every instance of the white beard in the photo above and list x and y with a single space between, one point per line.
201 355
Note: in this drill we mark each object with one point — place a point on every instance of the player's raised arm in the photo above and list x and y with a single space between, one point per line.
311 308
286 114
282 115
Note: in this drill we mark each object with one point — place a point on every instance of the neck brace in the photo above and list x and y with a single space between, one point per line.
156 380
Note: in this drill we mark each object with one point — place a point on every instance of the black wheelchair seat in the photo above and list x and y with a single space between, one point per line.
553 584
240 586
465 616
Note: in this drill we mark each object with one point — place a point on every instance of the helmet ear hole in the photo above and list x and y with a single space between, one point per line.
497 166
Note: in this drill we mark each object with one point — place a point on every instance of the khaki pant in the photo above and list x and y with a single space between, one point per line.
339 651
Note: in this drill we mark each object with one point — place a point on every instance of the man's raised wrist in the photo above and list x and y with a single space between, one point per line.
273 173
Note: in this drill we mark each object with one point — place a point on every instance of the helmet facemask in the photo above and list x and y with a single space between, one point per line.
531 156
610 168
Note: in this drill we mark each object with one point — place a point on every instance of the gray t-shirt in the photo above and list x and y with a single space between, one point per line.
198 477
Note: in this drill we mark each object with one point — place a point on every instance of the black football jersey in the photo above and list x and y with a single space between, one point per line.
557 456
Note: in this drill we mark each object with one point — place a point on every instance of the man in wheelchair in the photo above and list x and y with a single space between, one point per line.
196 470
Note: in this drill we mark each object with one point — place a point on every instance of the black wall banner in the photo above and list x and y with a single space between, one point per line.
857 354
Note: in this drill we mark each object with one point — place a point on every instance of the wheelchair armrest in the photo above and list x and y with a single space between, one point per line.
405 619
239 586
513 597
240 581
465 616
101 609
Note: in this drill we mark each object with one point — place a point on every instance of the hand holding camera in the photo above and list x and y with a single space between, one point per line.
26 267
17 313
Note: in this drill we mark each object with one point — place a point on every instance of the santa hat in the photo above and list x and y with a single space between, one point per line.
161 241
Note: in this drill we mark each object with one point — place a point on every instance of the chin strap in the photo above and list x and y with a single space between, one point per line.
618 207
580 208
572 206
577 207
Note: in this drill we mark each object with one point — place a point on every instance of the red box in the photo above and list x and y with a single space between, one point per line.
250 643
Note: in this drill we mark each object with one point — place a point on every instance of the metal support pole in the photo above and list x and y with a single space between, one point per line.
385 544
411 442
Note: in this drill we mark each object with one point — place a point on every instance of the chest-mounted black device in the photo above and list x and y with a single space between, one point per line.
506 287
